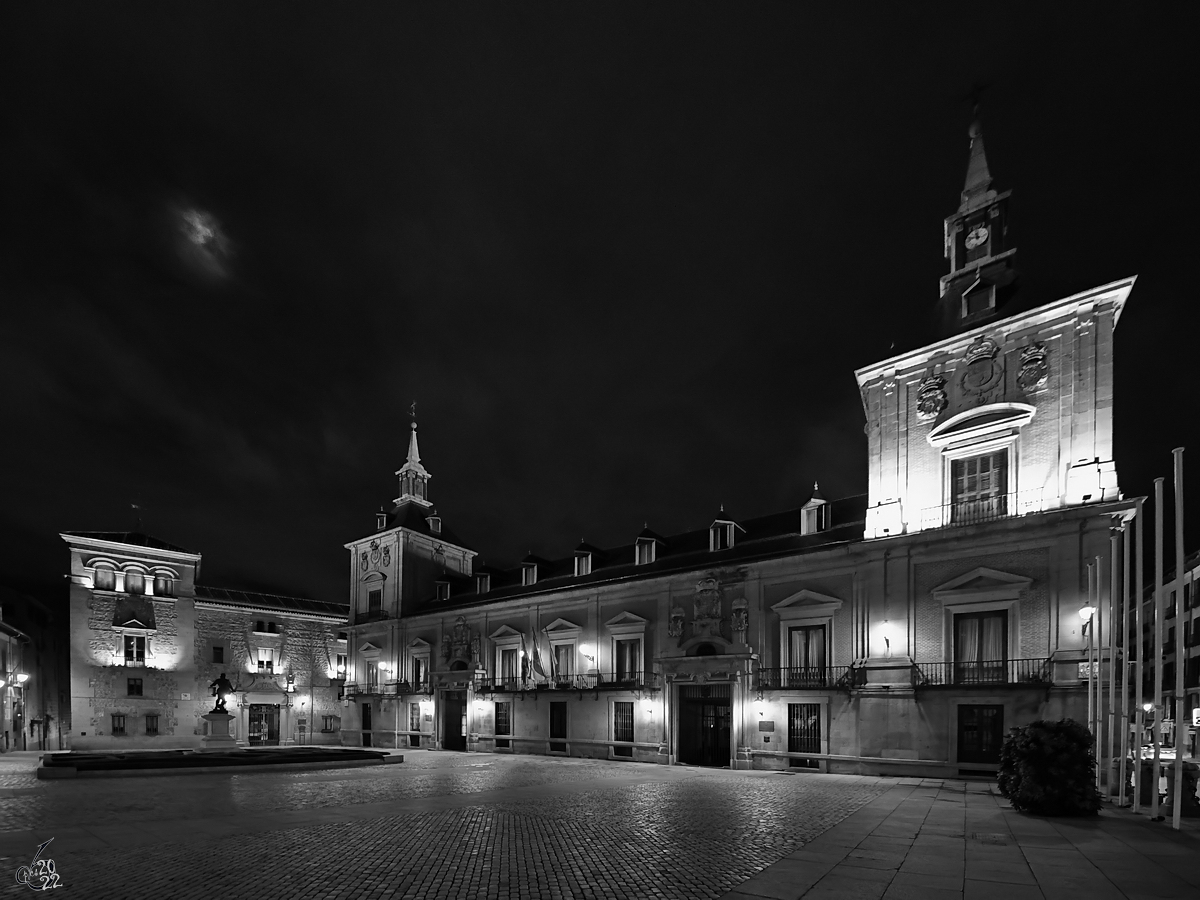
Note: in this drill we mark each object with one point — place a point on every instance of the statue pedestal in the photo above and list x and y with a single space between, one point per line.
218 737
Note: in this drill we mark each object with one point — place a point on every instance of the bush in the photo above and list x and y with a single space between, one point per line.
1047 768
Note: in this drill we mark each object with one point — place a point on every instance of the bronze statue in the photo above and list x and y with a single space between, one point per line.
220 687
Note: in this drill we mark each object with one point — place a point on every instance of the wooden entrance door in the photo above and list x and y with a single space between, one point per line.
454 720
705 723
980 733
366 724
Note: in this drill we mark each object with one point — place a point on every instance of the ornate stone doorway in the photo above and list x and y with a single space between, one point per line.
264 725
454 720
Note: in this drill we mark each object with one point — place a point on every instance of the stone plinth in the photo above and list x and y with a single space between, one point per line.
218 737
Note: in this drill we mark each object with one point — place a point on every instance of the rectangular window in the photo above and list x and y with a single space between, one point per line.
629 659
420 673
529 575
483 583
218 654
162 586
327 723
135 650
558 727
135 583
260 626
508 667
118 726
134 687
372 679
807 656
720 537
623 726
105 580
980 733
583 564
564 663
979 484
503 725
341 665
645 552
152 725
374 602
414 717
980 647
443 590
266 660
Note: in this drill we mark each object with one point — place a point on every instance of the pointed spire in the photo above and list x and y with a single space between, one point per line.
979 178
414 479
414 455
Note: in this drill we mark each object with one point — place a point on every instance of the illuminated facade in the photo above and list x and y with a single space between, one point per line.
147 641
903 631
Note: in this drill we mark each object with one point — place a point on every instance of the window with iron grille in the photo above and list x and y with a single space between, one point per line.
980 647
374 601
118 726
152 725
327 723
414 717
503 724
623 726
804 729
558 727
133 687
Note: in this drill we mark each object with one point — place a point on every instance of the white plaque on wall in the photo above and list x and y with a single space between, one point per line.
185 696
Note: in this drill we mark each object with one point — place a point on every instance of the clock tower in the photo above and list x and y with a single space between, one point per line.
981 277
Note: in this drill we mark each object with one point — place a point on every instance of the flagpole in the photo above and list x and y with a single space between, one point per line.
1109 719
1097 681
1125 574
1180 660
1138 712
1089 629
1158 642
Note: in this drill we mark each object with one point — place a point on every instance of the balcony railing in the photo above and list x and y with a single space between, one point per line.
811 677
595 681
966 674
983 509
370 615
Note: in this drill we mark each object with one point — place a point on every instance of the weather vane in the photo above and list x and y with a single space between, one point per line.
413 411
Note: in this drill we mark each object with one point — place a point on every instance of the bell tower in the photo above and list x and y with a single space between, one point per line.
982 275
414 479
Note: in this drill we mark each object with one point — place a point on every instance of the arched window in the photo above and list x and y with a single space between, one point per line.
105 579
135 582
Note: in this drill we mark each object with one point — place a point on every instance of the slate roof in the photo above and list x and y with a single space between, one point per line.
767 536
133 538
277 602
413 515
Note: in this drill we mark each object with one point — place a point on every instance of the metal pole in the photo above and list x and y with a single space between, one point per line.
1109 745
1125 542
1180 659
1088 646
1138 712
1158 641
1098 675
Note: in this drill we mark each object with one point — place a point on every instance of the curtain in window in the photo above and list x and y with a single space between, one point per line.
508 664
967 644
808 647
993 639
564 661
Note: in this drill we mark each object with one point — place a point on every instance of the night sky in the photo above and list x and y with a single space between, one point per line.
624 257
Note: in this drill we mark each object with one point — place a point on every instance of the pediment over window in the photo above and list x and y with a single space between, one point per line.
981 422
626 623
367 649
134 612
506 632
982 584
561 625
418 645
806 604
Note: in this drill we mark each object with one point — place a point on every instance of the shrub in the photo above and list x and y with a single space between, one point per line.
1047 768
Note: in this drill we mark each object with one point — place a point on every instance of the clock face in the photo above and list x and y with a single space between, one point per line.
977 236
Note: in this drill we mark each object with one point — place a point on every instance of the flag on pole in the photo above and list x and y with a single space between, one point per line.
537 659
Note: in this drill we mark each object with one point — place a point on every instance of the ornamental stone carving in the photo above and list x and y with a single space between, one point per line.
982 372
707 604
931 397
741 620
460 642
675 625
387 555
363 559
1034 370
375 553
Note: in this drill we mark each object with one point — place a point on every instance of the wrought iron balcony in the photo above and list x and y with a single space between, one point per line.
370 615
810 677
988 673
594 681
983 509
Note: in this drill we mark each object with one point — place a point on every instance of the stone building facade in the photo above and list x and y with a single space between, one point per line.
902 631
147 641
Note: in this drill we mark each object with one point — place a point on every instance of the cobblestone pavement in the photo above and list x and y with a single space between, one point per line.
440 825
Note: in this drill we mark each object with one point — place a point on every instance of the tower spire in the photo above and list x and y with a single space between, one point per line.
979 178
414 479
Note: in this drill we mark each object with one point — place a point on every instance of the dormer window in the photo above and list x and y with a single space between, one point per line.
583 564
720 536
443 590
483 584
435 524
529 574
380 520
645 551
814 515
